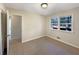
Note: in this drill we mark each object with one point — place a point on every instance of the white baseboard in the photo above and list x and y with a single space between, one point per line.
63 41
32 38
50 37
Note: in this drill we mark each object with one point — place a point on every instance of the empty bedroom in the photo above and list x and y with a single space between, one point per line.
39 29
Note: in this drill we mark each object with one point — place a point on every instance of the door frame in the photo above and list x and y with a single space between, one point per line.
7 32
0 35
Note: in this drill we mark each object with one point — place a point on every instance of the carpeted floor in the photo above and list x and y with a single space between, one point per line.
42 46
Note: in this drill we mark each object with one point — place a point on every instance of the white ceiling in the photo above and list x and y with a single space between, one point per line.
35 7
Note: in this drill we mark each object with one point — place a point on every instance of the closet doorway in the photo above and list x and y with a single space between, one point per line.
16 28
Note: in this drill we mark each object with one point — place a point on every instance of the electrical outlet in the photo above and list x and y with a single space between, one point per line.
58 37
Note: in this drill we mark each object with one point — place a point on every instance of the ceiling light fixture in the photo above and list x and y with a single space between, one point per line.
44 5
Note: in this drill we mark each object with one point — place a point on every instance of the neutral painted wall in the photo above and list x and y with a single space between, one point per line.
33 25
16 23
71 38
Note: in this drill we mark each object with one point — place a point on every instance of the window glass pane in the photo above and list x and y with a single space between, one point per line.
69 25
62 24
55 28
54 20
68 19
62 28
54 23
65 19
62 20
65 23
68 29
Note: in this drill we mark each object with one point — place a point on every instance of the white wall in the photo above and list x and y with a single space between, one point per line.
33 25
71 38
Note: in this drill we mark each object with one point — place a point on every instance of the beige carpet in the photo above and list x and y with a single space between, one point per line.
42 46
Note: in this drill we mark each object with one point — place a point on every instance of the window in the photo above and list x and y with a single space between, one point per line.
62 23
54 23
65 23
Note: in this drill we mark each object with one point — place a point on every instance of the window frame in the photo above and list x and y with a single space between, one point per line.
58 17
55 23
